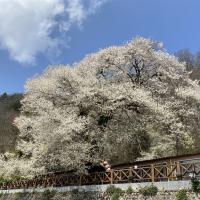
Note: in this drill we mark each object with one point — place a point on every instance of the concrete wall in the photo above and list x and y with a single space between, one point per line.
168 186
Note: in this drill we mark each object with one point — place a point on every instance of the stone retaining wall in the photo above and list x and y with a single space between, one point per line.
92 196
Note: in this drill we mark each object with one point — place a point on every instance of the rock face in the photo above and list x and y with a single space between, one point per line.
92 196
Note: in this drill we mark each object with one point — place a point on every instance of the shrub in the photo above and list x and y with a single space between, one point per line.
34 192
115 196
129 190
114 192
195 185
149 190
2 181
21 195
181 195
112 189
75 191
18 195
48 194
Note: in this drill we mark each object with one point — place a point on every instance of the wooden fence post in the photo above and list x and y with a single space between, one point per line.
130 172
168 171
172 173
178 171
152 173
111 176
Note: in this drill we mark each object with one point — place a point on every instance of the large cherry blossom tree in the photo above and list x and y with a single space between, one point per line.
120 104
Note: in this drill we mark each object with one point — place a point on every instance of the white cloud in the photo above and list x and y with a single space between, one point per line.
27 26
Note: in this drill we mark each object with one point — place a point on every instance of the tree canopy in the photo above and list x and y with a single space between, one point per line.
120 104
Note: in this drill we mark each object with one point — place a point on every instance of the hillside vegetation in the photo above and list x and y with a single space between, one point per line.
9 109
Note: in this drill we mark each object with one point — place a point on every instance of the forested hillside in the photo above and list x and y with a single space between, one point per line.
9 109
192 62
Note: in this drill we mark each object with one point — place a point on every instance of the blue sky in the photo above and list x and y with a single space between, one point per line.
84 27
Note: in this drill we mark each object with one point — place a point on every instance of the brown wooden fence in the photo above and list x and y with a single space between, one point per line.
149 173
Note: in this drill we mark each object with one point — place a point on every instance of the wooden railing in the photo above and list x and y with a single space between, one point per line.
148 173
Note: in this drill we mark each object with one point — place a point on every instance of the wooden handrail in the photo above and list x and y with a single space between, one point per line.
148 173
